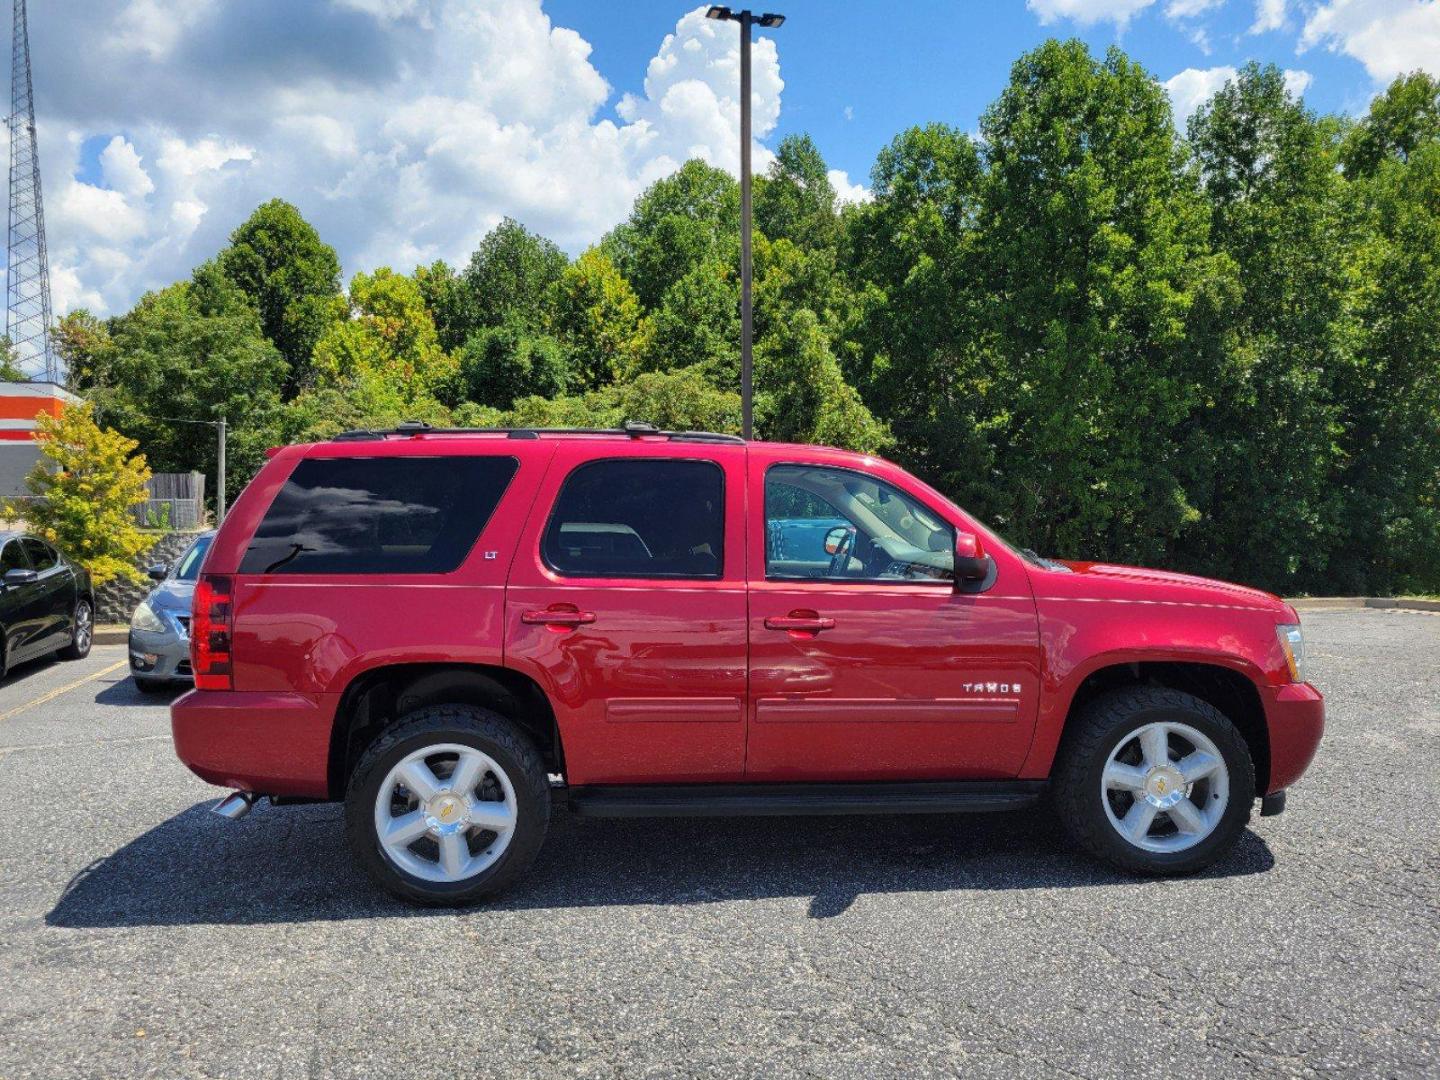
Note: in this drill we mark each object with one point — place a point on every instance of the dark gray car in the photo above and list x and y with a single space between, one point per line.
160 627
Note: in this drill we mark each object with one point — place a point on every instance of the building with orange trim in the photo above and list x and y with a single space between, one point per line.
20 404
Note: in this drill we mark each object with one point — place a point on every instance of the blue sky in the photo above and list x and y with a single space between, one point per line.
897 64
406 129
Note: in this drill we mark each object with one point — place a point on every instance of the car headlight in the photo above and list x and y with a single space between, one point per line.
1292 643
146 619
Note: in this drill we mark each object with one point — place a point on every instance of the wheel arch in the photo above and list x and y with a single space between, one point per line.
1229 687
376 699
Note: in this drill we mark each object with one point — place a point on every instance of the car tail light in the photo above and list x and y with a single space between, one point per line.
211 619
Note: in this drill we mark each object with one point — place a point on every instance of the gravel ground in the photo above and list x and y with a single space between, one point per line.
142 936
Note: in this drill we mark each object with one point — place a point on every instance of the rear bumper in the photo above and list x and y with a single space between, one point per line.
1295 715
270 742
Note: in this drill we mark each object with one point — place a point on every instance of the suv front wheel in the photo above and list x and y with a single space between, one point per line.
1154 780
448 806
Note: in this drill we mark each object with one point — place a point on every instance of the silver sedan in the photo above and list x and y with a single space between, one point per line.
160 627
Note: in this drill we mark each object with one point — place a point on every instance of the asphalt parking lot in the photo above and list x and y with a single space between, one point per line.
142 936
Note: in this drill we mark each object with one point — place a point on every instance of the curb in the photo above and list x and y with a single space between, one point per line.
111 635
1385 603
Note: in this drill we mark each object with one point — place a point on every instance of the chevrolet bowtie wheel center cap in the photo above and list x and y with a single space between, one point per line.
446 813
1165 786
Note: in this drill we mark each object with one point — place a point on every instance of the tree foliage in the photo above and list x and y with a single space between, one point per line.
87 481
1216 350
291 277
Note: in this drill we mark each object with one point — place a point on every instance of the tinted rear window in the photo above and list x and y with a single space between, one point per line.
409 515
645 518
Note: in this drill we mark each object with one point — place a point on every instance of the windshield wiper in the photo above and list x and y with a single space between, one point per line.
295 551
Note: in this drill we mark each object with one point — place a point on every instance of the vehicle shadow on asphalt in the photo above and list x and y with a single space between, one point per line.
291 864
124 692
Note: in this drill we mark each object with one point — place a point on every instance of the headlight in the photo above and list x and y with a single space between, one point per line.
1292 642
146 619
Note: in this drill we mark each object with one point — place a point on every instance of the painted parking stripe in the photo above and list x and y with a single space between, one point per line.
53 694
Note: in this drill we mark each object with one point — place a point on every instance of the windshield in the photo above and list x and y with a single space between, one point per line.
188 568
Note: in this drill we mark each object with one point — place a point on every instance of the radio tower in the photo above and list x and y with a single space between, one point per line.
27 306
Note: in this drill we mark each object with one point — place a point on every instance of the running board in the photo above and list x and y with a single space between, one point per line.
761 800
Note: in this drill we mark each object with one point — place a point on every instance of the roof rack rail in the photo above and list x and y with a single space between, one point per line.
635 429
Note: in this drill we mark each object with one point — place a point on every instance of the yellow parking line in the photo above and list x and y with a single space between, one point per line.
53 694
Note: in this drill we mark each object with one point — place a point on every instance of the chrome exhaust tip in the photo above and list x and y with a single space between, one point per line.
235 805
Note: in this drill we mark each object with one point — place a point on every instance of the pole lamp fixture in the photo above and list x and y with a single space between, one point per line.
769 21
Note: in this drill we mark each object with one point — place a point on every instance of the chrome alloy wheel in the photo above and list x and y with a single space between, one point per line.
445 813
84 626
1165 787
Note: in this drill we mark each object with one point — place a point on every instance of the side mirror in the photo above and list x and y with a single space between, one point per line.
20 577
158 572
971 562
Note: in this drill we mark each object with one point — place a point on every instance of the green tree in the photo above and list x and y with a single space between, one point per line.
1098 285
1269 170
447 300
82 344
291 276
1403 119
697 324
386 353
795 200
1388 397
499 364
509 277
686 219
193 352
10 370
596 316
804 398
87 482
673 400
918 344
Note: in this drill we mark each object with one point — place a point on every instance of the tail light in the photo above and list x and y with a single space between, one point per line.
211 618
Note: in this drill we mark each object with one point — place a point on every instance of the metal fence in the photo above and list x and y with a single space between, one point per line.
177 501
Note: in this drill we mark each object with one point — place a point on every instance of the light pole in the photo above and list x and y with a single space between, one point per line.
769 21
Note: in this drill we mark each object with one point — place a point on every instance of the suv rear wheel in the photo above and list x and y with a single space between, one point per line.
1155 781
448 806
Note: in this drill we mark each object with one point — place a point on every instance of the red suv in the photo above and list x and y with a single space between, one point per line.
449 630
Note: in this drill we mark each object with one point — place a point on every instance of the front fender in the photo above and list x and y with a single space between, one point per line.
1079 637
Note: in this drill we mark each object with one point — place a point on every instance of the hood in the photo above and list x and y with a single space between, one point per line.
172 594
1137 582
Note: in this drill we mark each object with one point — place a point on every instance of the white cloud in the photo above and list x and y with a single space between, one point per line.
848 112
403 129
154 27
1193 87
1190 9
845 190
1269 15
1390 37
120 165
1297 82
1088 12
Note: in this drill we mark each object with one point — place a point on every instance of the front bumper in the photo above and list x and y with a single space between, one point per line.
1295 715
170 653
272 742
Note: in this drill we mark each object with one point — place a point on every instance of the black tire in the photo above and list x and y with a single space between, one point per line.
150 686
488 732
1089 740
79 649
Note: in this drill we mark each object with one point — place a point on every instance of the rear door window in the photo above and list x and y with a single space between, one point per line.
639 518
384 515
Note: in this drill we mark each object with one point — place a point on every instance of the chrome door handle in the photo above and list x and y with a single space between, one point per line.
557 617
811 623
